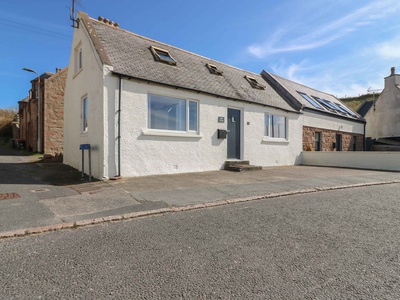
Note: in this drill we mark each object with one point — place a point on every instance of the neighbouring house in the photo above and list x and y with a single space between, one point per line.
46 137
383 115
146 108
328 124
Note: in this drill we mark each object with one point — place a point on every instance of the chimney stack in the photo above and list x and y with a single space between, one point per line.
108 22
392 71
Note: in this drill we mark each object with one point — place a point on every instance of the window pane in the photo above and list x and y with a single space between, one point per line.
85 114
266 125
80 59
317 145
278 127
193 115
167 113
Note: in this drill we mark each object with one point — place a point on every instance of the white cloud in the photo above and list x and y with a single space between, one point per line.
389 49
326 33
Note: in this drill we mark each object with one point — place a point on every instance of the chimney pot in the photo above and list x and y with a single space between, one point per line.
392 71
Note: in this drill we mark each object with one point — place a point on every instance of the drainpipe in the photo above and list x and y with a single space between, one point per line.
119 124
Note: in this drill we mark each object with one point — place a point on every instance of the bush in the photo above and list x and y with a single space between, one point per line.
6 117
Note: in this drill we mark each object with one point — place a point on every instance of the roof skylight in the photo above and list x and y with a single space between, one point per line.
310 100
213 69
347 110
254 83
162 55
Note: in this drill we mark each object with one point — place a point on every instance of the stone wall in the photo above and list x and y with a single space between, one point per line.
328 138
53 127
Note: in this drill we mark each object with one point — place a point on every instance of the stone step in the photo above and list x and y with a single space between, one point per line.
239 167
229 163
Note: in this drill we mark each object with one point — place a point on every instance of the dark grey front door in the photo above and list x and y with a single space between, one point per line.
234 133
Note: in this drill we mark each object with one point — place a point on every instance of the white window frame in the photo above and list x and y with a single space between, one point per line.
268 135
78 62
154 131
84 114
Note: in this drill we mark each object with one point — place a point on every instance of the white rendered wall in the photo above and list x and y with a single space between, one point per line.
383 120
88 82
144 153
332 123
353 159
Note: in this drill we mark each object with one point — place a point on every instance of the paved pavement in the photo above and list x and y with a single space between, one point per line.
37 196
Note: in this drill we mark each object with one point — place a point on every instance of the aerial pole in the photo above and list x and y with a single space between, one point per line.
75 21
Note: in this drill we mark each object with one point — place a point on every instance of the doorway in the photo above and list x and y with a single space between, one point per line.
234 133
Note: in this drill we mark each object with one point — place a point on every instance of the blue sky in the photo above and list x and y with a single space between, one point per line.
337 46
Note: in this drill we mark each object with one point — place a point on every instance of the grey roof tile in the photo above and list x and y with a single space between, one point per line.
293 88
129 55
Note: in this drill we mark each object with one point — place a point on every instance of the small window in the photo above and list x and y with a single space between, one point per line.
338 144
78 59
317 145
354 146
213 69
310 100
85 110
275 126
254 83
167 113
162 55
351 113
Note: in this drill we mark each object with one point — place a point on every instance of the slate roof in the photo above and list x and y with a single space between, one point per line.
129 54
365 107
290 89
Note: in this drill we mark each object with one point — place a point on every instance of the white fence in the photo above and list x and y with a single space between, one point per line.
373 160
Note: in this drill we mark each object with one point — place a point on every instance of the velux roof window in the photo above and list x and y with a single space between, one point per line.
254 83
162 55
310 100
213 69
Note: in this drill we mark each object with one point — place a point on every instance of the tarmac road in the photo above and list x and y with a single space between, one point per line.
341 244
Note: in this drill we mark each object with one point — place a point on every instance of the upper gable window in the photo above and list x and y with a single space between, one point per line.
78 59
162 55
254 83
213 69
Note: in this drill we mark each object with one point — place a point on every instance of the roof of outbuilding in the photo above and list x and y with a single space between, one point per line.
365 107
129 54
291 89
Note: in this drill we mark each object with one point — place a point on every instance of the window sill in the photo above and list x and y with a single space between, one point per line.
171 134
275 140
77 73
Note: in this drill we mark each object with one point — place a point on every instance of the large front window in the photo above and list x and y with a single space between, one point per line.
275 126
167 113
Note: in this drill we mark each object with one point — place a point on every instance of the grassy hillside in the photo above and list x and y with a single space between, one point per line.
355 102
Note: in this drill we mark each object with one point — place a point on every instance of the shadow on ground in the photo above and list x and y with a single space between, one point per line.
22 167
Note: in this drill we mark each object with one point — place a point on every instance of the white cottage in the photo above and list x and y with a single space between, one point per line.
383 115
147 108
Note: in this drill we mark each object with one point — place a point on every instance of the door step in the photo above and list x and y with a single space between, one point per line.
240 165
